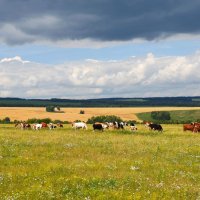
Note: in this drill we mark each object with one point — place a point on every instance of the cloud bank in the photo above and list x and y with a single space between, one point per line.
34 21
135 77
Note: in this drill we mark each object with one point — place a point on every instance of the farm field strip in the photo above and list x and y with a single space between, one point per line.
81 164
72 114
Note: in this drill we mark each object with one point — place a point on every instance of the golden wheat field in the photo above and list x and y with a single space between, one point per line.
72 114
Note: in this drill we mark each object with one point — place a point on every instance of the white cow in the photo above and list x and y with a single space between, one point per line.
37 126
79 125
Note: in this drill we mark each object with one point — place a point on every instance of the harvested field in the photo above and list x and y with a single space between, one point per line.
71 114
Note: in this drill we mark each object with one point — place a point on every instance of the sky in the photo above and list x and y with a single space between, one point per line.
79 49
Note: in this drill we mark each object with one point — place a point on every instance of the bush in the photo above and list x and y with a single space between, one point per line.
56 121
82 112
16 121
104 118
132 121
34 120
160 115
66 122
77 120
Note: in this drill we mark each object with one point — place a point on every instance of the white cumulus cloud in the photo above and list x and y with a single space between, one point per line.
134 77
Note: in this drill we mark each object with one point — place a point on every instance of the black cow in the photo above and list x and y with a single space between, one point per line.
155 127
98 127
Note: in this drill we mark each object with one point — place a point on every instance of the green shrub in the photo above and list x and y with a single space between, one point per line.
160 115
132 121
82 112
104 118
34 120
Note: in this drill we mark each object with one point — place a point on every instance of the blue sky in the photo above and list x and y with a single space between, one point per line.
51 54
100 48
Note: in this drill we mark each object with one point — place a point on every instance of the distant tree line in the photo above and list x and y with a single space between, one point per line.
107 102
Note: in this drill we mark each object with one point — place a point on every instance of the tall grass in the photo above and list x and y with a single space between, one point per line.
69 164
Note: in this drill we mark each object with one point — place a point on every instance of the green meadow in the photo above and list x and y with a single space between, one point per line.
176 115
82 164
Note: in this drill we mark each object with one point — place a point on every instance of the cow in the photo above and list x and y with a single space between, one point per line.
110 124
146 123
118 125
26 126
98 126
23 125
155 127
196 127
105 125
52 126
37 126
60 125
79 125
133 127
122 124
188 127
44 125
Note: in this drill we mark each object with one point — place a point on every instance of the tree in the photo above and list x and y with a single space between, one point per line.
50 108
6 120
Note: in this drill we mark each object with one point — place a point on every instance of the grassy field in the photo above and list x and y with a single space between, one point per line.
176 115
72 114
68 164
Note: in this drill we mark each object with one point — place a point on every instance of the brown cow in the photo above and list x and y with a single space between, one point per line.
188 127
23 125
196 127
44 125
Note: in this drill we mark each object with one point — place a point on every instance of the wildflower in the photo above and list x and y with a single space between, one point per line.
134 168
159 185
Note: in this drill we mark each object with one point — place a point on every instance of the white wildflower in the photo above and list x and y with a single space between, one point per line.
134 168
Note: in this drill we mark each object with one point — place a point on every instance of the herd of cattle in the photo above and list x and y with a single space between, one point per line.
37 126
194 127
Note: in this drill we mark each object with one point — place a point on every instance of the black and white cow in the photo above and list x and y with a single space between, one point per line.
155 127
98 126
118 125
133 126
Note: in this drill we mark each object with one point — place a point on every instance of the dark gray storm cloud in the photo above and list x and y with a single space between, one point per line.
24 21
